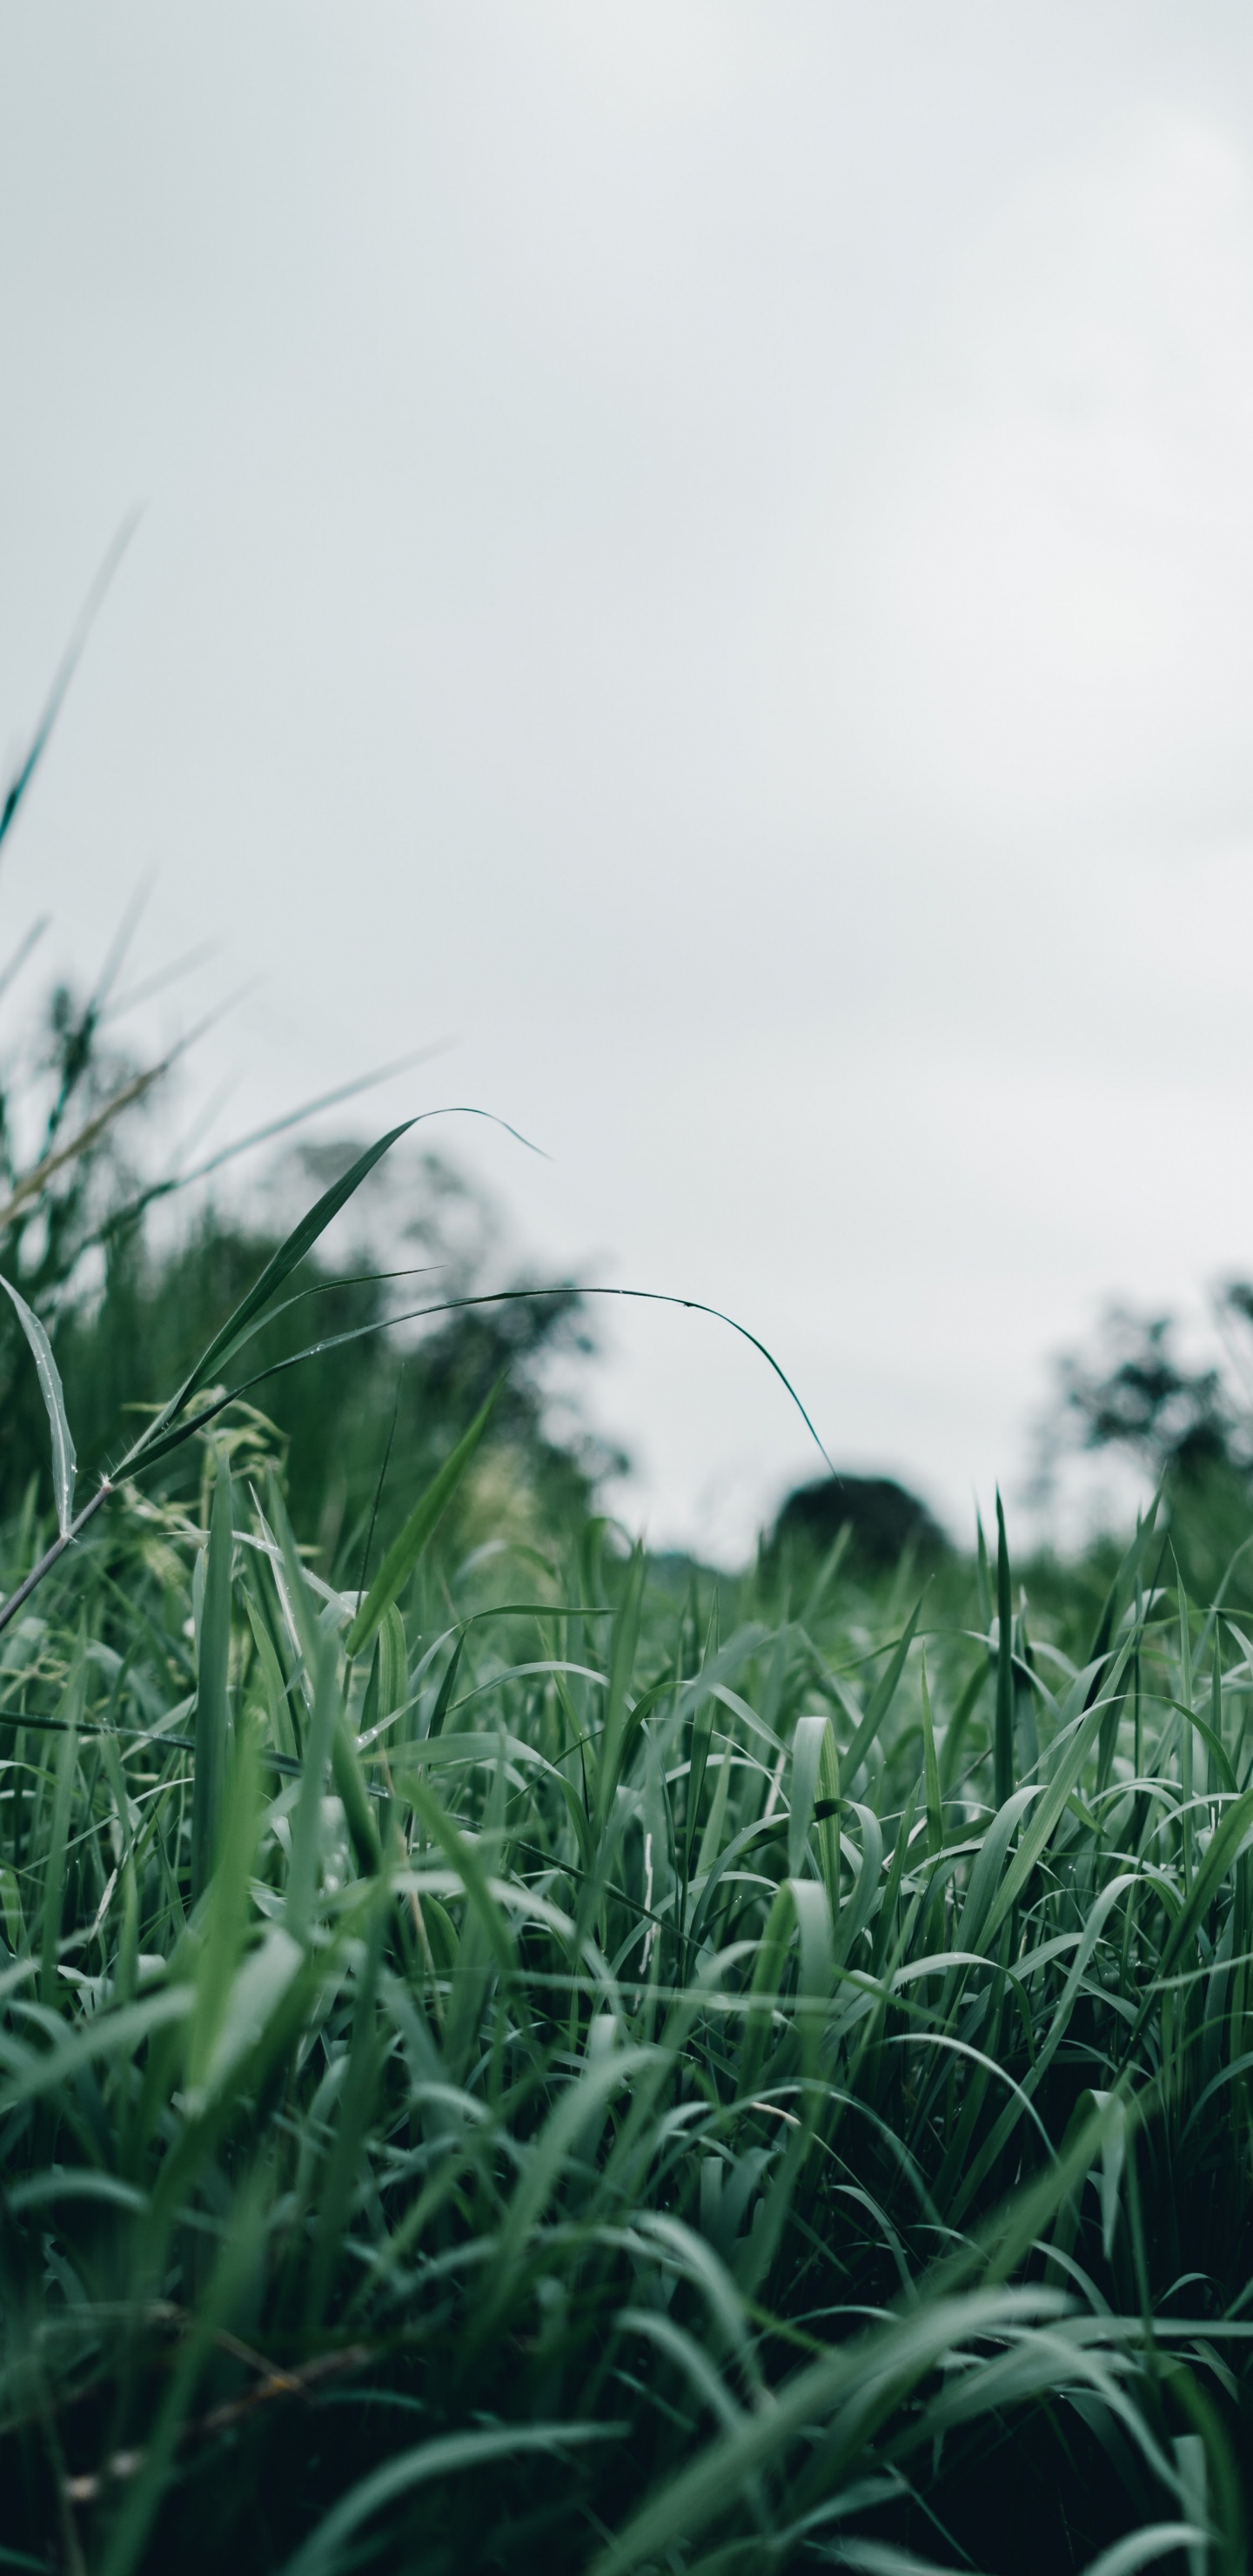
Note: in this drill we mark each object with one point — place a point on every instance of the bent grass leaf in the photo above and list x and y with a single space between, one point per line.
290 1253
64 1458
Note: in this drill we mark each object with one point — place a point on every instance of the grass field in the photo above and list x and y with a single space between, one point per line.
512 2057
547 2062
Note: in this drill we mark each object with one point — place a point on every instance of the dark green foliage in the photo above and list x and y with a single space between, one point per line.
882 1520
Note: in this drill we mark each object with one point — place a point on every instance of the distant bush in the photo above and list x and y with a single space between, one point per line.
882 1520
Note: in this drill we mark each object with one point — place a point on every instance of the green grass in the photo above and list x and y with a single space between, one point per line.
558 2064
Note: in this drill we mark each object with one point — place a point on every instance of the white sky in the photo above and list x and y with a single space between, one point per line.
704 553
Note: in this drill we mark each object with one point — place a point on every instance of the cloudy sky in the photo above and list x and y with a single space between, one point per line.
702 553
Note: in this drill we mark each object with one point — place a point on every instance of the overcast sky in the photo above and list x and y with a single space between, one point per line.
704 554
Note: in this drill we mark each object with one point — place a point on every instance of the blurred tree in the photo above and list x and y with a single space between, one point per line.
1188 1428
1135 1393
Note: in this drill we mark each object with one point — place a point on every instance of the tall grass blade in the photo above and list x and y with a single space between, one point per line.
1003 1766
212 1688
408 1545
